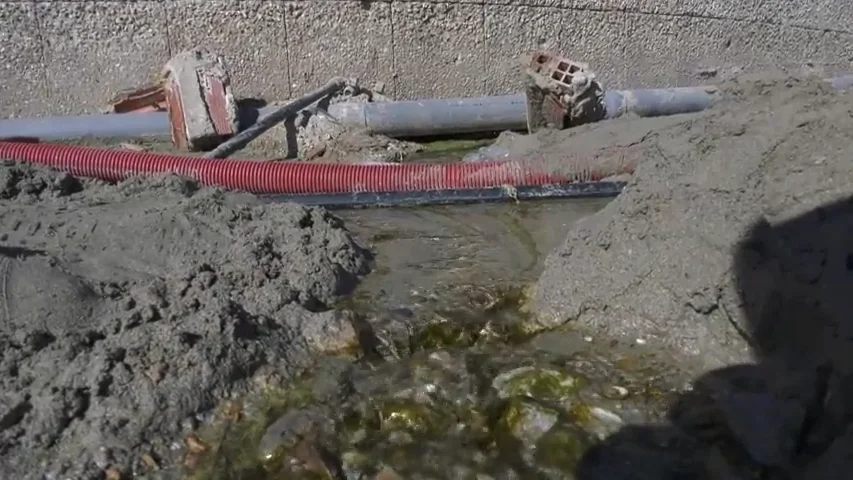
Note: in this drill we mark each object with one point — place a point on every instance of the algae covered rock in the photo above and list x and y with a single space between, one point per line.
525 421
290 428
596 420
561 448
540 383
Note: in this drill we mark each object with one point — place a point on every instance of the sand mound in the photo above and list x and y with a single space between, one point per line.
128 311
659 262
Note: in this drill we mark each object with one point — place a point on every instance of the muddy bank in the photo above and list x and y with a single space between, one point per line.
130 310
658 263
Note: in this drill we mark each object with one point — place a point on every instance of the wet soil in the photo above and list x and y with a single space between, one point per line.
662 258
730 248
130 310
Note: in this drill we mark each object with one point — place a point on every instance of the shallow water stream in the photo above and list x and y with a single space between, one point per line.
441 252
448 382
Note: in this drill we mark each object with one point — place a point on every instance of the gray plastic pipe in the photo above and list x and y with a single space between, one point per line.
412 118
658 102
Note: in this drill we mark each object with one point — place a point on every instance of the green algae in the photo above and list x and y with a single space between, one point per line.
539 383
562 448
236 440
452 149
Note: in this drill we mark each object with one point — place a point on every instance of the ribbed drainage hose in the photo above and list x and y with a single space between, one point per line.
291 178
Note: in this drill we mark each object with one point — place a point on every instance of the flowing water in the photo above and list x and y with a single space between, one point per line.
449 383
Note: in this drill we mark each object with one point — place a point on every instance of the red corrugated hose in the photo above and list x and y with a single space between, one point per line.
287 178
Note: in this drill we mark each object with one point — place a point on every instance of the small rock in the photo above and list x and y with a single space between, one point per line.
596 420
606 416
289 429
441 358
615 392
150 462
561 448
542 384
113 473
404 415
194 445
526 420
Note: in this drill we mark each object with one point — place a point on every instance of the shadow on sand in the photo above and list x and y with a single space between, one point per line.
789 414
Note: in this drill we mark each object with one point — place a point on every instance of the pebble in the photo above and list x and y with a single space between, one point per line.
287 430
606 416
616 392
528 421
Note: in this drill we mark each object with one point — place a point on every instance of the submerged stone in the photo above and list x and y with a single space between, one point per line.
289 429
401 415
542 384
596 420
561 448
525 421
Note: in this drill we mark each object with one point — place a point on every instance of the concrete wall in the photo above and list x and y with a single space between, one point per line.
72 56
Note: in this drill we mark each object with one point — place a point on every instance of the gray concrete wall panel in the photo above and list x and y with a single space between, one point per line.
439 49
513 30
94 49
23 88
250 34
73 56
334 37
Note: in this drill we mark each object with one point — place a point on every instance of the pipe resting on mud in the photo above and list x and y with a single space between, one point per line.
296 178
409 118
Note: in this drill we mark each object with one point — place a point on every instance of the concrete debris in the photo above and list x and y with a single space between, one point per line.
151 98
202 110
561 93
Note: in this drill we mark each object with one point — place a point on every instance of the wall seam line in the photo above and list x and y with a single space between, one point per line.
168 29
283 4
45 77
393 50
484 60
634 11
699 16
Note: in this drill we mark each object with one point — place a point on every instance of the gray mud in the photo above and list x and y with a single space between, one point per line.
129 311
658 262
